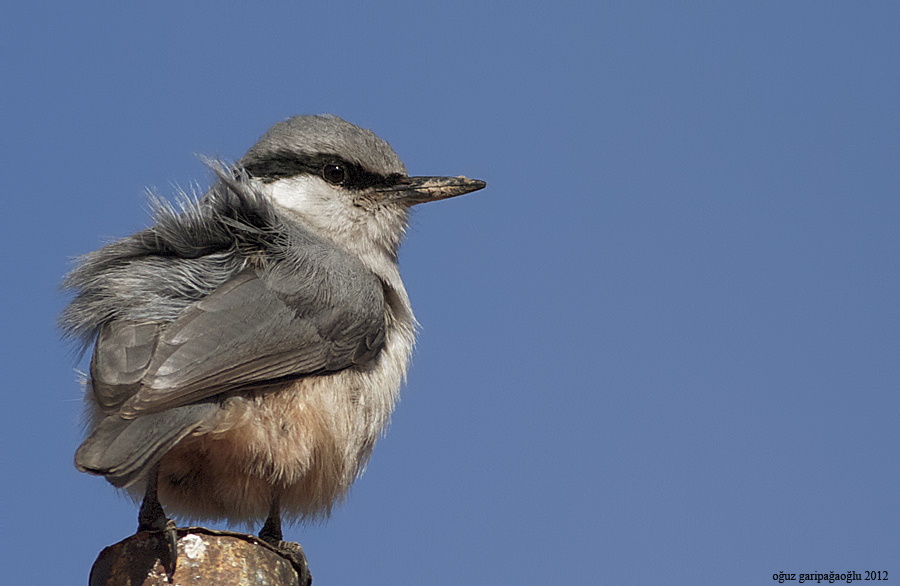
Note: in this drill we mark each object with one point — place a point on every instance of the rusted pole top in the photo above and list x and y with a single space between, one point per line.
205 558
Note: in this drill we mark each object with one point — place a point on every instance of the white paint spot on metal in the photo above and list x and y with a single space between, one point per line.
194 546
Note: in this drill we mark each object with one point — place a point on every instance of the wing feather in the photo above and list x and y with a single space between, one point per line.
246 333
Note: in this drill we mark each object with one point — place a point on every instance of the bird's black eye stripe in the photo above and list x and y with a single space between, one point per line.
334 170
276 166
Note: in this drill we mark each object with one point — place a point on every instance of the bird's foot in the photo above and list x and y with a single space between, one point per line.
292 551
153 518
271 534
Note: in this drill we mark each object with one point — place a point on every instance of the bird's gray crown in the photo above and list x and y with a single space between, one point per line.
303 144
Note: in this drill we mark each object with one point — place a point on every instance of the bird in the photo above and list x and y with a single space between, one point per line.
248 348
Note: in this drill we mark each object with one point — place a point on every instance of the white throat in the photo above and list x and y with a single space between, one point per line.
364 228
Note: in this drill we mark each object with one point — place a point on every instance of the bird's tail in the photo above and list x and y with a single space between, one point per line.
123 450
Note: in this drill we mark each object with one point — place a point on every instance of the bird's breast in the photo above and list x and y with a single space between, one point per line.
308 439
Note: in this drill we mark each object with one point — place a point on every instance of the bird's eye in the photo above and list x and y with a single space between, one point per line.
333 173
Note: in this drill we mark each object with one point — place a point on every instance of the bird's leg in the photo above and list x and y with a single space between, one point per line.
271 534
152 517
271 530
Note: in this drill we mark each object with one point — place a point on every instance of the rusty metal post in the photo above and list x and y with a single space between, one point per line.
205 558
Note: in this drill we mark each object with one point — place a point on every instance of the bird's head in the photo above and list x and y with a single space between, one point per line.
343 182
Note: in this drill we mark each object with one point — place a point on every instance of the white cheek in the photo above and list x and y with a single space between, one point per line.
318 204
303 193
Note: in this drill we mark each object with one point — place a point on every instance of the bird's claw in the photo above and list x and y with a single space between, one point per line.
292 551
153 518
171 534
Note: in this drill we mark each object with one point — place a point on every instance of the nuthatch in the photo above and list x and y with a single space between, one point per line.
249 348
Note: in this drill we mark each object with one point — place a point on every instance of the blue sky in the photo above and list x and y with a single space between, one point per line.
660 348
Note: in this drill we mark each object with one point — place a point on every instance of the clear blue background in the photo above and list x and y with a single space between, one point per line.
660 348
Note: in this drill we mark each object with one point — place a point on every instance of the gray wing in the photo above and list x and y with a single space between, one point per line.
157 382
122 449
251 331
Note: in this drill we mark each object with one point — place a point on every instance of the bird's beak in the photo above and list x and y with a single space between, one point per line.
413 190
